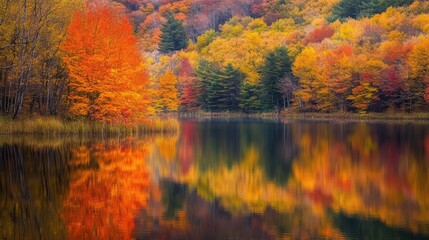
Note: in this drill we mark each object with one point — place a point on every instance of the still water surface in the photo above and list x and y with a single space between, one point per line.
221 179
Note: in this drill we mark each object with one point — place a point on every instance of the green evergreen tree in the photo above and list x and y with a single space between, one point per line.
220 87
345 9
363 8
207 75
230 82
277 64
173 36
250 97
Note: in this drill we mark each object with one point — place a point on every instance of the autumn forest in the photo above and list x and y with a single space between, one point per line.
122 60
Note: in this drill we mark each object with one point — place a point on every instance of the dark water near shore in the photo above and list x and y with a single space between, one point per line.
221 179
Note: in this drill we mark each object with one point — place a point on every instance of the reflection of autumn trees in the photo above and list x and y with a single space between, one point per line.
196 218
244 188
224 176
108 187
167 146
212 145
367 175
236 181
361 170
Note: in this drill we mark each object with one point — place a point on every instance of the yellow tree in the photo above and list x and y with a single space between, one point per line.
245 50
314 92
107 77
421 21
167 92
418 61
362 95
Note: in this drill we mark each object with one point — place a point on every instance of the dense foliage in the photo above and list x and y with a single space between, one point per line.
107 79
117 61
291 57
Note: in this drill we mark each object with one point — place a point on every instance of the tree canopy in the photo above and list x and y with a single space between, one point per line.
107 77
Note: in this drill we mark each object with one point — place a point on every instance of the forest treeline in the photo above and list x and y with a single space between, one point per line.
118 61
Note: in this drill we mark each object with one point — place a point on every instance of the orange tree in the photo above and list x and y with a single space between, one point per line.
107 77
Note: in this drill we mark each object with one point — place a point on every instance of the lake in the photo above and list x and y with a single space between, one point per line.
221 179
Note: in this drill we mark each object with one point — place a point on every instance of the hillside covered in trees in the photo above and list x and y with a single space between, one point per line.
118 61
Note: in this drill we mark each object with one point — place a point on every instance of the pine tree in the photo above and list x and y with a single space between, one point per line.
206 73
229 94
221 86
277 64
363 8
250 97
173 36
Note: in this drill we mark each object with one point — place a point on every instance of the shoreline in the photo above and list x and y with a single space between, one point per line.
418 116
359 117
168 123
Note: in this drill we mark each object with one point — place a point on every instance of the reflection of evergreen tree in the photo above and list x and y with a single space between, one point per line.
238 159
173 197
276 146
369 229
226 142
220 144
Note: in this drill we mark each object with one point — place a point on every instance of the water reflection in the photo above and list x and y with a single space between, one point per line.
322 180
222 180
79 189
108 187
33 180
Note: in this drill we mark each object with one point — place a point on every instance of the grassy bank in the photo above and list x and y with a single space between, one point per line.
58 127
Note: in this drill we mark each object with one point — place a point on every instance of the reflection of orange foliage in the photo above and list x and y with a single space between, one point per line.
167 145
103 202
427 148
239 189
364 177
